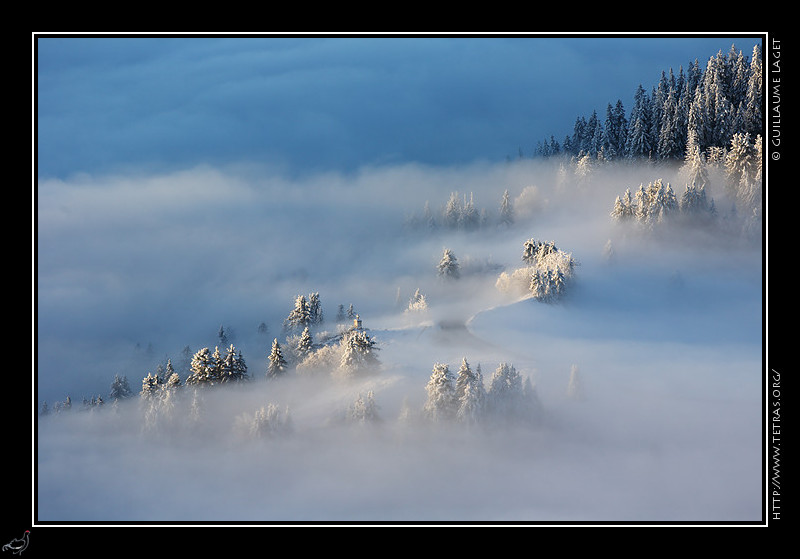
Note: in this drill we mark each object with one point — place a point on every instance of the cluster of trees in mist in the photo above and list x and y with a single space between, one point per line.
739 169
346 353
657 203
460 213
710 104
173 406
463 396
546 274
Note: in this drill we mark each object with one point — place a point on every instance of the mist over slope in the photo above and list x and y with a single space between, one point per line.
664 332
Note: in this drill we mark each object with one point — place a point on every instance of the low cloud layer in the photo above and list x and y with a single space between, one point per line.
666 338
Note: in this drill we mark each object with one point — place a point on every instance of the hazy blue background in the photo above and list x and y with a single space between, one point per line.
305 104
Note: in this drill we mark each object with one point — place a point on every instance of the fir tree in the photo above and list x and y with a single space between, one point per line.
441 403
201 369
505 391
753 115
300 316
448 266
469 393
234 368
451 216
315 315
623 207
277 364
358 354
150 386
506 210
304 344
469 219
215 367
640 143
169 370
417 303
222 336
364 409
267 421
120 389
741 167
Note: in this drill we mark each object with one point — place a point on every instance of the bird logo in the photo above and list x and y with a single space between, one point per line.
18 545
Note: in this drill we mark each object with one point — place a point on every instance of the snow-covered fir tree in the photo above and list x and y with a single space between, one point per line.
448 266
358 355
201 369
451 215
304 344
623 207
470 394
505 391
315 315
120 388
233 367
267 421
694 169
173 381
277 363
441 404
300 316
506 210
693 201
417 303
364 410
743 171
150 386
169 370
470 406
222 335
469 220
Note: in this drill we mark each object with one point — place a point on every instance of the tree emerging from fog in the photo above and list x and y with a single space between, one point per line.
120 388
418 303
464 398
545 276
358 356
278 365
461 213
448 266
266 422
658 204
364 410
441 404
470 393
209 369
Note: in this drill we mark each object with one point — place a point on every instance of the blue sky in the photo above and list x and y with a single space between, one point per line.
123 104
